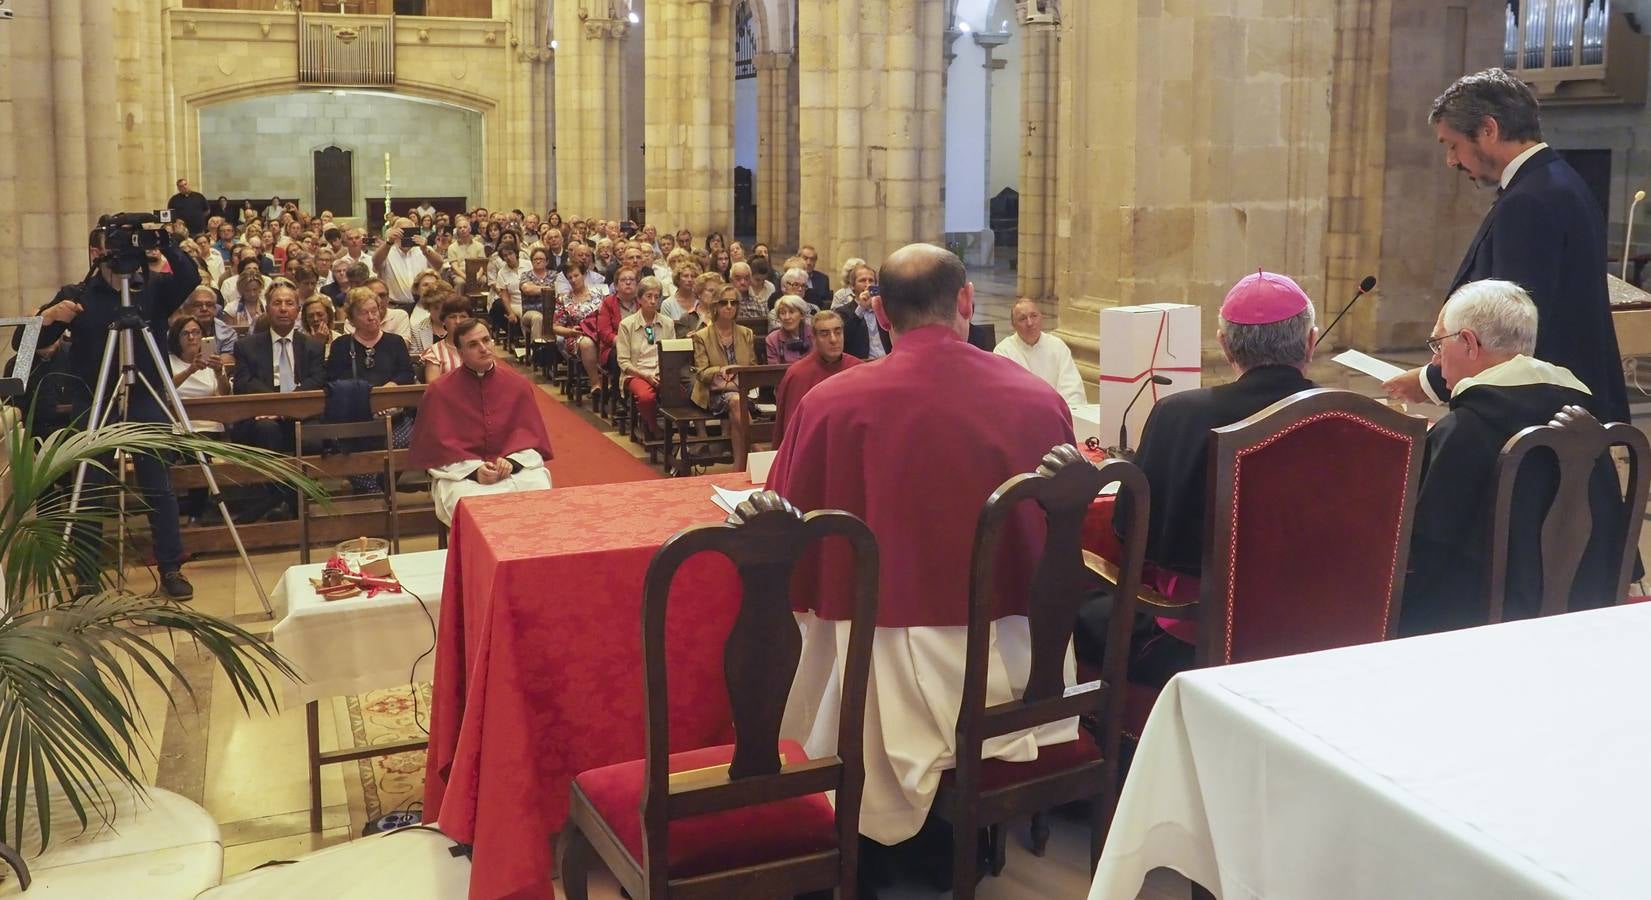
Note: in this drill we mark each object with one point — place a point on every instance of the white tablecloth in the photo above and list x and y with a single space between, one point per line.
1504 762
359 644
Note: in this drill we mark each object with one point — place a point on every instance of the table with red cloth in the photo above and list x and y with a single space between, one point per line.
539 671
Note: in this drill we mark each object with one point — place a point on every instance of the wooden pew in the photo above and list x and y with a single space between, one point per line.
230 409
748 431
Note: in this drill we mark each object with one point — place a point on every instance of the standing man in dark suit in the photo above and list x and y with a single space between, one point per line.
1544 232
280 360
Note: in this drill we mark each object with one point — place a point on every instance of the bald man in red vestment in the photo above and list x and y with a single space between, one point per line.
479 430
914 443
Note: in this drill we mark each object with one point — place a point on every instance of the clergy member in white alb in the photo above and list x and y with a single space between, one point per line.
479 430
1044 355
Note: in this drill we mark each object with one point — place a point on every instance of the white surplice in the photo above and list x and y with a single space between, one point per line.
451 483
1049 359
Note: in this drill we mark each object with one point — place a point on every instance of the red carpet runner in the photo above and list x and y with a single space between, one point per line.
583 454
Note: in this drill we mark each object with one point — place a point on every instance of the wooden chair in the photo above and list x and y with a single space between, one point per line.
989 792
1581 450
381 433
475 286
748 426
759 336
750 819
677 412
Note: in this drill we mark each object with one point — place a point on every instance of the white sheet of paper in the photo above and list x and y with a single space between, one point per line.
758 464
728 500
1381 370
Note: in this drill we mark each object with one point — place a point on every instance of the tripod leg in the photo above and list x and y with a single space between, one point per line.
172 406
95 420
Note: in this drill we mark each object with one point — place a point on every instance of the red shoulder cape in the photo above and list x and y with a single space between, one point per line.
468 416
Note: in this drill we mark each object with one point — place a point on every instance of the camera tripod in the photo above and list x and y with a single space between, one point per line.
105 401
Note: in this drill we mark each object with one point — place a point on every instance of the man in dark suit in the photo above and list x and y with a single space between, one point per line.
280 360
1544 232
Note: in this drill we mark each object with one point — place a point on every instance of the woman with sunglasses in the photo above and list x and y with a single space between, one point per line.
795 337
637 347
717 346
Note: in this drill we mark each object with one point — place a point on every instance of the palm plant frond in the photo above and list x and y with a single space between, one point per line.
71 666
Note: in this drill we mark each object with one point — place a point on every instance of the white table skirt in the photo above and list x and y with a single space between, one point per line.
1501 762
361 643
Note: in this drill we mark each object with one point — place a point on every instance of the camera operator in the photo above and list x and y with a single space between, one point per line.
156 295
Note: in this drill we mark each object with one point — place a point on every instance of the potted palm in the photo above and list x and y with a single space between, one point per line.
72 654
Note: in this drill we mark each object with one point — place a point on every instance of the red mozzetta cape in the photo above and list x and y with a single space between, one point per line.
914 443
801 378
468 416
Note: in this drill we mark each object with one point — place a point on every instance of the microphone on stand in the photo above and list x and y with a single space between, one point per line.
1628 242
1122 451
1365 287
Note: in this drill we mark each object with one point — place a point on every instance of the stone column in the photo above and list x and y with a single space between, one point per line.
777 149
690 101
59 168
1199 150
590 158
1040 71
871 88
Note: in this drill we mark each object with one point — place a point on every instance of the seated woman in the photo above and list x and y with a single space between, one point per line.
538 292
575 322
795 337
243 309
443 356
195 372
373 355
720 344
428 292
705 290
317 319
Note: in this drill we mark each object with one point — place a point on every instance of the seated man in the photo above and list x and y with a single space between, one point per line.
478 429
1267 334
1044 355
1483 344
863 336
203 306
914 445
825 360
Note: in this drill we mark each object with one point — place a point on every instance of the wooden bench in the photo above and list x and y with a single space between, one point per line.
748 430
231 409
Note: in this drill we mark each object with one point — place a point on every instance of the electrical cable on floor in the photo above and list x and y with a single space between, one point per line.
412 674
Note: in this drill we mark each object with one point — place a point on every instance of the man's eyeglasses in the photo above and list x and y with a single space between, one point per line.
1433 344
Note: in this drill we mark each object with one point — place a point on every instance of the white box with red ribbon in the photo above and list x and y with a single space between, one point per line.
1137 342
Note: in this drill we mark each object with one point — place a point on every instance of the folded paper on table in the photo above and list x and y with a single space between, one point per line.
1379 369
1137 342
758 464
728 500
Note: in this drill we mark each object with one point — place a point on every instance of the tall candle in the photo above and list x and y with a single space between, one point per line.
386 167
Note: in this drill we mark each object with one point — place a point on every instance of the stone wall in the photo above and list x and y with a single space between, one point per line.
263 146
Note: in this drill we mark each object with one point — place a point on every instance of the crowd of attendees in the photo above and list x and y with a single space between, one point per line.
602 292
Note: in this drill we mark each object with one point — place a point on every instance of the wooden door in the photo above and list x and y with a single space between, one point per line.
335 181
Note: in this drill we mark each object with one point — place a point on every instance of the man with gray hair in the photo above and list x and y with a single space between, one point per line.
1483 344
1267 332
1543 232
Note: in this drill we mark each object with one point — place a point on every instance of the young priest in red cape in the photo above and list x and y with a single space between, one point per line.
478 429
914 443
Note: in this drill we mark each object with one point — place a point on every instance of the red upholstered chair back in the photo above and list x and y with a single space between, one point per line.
764 538
1308 529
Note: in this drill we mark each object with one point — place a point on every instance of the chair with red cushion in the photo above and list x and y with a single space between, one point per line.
749 819
989 792
1308 531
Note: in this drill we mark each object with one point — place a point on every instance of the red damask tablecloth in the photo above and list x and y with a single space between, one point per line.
539 661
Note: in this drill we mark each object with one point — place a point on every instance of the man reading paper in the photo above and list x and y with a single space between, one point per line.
479 430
